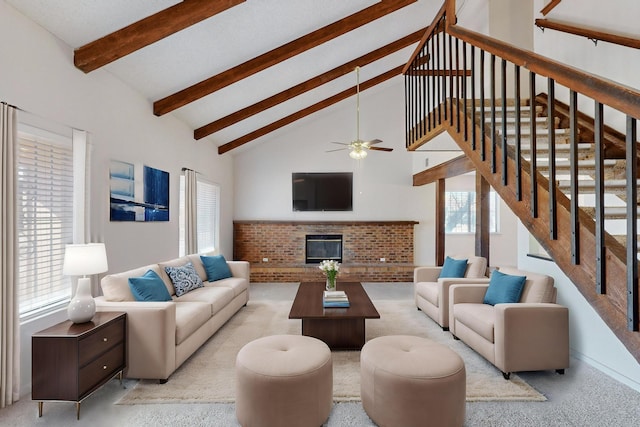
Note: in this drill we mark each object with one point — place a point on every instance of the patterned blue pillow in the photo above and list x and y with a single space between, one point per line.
184 278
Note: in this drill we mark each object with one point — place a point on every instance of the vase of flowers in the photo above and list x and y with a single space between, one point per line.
330 269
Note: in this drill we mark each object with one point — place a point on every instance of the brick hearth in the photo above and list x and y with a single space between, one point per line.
364 243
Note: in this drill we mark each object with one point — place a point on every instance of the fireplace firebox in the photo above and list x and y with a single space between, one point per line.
323 246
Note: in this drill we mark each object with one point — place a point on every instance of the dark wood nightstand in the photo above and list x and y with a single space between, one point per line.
70 361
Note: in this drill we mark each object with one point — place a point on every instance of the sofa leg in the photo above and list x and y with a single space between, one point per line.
163 381
418 308
560 371
445 328
455 337
506 375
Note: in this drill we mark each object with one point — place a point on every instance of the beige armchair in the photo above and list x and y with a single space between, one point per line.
432 293
530 335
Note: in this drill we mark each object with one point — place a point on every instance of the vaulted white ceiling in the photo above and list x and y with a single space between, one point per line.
228 39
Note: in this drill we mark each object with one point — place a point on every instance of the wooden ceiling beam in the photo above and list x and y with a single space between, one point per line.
309 110
277 55
306 86
147 31
454 167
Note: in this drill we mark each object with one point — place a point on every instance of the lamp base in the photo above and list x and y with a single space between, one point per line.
82 307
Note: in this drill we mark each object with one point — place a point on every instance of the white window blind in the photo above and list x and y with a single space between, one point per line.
208 215
45 221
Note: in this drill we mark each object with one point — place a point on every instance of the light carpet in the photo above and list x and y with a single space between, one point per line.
209 375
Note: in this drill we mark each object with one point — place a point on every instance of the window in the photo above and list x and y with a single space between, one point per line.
45 220
208 215
460 212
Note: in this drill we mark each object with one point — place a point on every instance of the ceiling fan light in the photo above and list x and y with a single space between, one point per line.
358 153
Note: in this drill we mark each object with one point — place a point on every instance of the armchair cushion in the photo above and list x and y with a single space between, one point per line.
453 268
504 288
478 317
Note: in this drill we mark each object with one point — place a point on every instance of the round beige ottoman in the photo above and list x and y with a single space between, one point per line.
412 381
284 380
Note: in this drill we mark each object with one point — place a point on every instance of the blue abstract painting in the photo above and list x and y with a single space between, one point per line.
138 193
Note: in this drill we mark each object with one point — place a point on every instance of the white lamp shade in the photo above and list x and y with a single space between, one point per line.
85 259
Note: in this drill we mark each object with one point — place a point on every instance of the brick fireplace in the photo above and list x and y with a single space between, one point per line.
277 250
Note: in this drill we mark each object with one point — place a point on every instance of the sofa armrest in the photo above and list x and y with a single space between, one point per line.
444 285
468 293
426 274
151 336
239 269
531 336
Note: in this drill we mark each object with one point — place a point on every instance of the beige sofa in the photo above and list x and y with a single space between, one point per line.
432 293
531 335
162 335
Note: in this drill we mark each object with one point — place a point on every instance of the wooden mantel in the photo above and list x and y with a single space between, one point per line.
295 222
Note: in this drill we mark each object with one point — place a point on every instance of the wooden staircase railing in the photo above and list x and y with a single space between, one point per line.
455 71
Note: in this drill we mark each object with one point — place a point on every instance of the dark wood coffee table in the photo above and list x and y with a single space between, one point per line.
340 328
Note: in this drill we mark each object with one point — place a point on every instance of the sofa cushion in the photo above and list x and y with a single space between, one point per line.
476 267
184 278
504 288
453 268
115 287
216 267
477 317
218 297
149 287
237 284
197 264
190 316
428 291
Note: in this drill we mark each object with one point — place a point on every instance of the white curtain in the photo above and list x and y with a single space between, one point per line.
9 324
190 212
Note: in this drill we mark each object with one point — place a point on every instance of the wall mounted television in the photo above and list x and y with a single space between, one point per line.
322 191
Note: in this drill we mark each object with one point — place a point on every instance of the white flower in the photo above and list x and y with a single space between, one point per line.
329 265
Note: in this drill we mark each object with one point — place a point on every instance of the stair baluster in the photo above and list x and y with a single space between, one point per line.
632 226
601 285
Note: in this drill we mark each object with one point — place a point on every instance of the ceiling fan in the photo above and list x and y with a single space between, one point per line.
358 148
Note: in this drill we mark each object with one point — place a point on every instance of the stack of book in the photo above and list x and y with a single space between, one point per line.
335 299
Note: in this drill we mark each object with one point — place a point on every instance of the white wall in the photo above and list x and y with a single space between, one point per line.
382 182
37 75
591 339
617 63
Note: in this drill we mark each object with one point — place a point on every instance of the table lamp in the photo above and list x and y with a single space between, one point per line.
83 260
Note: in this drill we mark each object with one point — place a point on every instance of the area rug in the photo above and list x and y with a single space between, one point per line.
209 374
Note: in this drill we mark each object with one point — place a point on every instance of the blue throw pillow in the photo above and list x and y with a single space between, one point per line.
216 267
504 288
184 278
149 287
453 268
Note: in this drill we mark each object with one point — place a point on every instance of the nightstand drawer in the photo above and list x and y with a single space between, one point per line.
104 366
101 340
